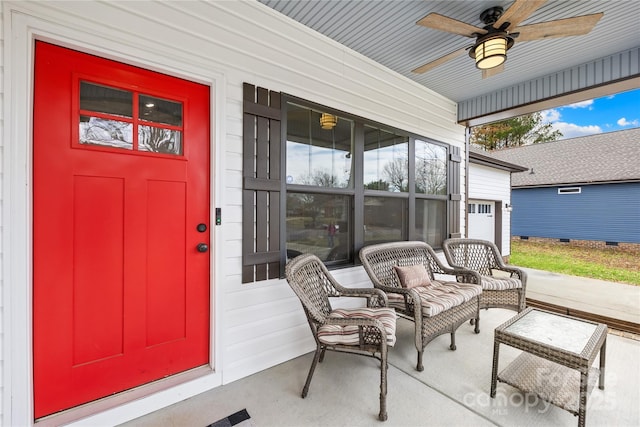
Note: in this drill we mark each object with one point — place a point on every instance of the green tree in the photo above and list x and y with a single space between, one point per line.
380 184
514 132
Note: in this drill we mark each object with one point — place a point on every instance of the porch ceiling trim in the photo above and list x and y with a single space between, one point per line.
611 74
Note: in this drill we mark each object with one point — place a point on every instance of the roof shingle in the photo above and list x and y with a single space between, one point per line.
600 158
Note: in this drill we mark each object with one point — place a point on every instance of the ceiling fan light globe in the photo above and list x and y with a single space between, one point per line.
491 52
491 62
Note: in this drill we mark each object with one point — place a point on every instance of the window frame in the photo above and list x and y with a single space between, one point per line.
569 190
358 193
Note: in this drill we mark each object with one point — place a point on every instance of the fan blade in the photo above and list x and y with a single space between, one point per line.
492 71
518 12
575 26
448 57
450 25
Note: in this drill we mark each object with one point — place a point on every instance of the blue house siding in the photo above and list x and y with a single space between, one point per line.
602 212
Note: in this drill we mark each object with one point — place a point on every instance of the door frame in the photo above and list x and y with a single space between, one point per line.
20 32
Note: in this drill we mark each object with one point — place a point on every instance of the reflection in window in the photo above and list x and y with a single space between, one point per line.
385 219
106 133
318 154
160 110
431 221
319 224
108 100
386 158
431 168
158 140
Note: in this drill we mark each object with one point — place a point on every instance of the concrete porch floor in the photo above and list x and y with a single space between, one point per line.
453 390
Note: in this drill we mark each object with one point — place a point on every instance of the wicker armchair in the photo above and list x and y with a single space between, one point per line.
503 291
367 331
442 306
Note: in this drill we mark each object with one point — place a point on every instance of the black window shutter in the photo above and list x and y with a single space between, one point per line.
261 174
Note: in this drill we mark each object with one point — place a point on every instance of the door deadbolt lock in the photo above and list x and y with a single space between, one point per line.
202 247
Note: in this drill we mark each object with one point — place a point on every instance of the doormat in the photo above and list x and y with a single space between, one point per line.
239 419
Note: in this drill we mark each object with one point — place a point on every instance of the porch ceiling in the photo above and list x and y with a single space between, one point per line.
386 32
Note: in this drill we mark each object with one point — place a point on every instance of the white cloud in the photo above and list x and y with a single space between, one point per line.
550 116
568 130
624 122
583 104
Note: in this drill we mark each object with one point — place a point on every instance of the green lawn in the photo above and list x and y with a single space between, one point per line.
604 264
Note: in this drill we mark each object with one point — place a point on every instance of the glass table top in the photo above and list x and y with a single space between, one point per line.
550 329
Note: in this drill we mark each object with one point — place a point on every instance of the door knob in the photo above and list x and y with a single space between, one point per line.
202 247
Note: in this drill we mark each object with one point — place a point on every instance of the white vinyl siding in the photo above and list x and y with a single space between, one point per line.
229 42
487 183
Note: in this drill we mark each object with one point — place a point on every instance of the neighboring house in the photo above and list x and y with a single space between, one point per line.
488 213
582 190
127 138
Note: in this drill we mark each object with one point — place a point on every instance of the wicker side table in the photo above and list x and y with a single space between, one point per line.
556 363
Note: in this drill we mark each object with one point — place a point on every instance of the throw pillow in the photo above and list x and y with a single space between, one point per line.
411 276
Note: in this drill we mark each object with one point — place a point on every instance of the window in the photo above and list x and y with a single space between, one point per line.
386 161
431 168
316 156
431 221
570 190
328 183
320 224
350 183
484 208
385 219
472 208
108 120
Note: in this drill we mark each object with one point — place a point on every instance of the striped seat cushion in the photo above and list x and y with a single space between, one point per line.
491 283
350 335
442 296
438 297
396 301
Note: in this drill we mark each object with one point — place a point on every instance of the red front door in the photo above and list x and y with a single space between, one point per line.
121 205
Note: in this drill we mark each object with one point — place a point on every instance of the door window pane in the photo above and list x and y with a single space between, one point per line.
108 100
386 161
105 132
160 110
319 224
431 168
385 219
319 153
431 221
159 140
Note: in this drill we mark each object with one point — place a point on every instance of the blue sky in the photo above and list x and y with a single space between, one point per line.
606 114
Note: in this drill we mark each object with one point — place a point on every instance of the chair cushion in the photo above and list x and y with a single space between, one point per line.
396 301
442 296
411 276
350 335
438 297
491 283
